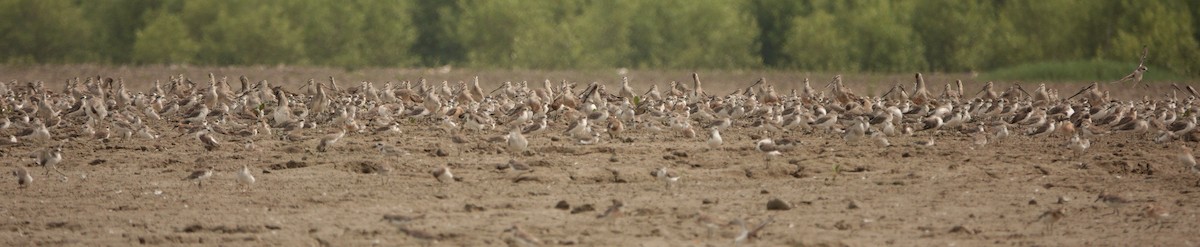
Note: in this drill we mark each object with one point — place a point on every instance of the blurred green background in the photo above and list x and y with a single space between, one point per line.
1000 38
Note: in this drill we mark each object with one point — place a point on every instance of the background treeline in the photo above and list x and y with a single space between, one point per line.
815 35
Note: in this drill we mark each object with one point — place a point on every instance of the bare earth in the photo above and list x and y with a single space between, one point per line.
129 191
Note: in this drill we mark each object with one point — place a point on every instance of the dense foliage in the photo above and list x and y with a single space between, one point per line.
827 35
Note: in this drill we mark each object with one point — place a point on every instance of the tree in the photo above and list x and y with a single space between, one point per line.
1163 26
251 33
692 34
44 31
164 40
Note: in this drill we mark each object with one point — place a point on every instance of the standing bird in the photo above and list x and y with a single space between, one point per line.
1078 145
1188 159
1050 217
330 139
244 177
1113 201
670 178
49 158
880 139
23 177
768 148
715 141
200 176
210 142
517 144
442 174
522 237
614 211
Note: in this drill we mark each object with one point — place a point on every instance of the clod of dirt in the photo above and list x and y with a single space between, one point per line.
853 205
563 205
583 208
97 162
613 159
961 229
709 201
473 208
1032 202
291 164
906 155
841 225
777 204
680 154
364 167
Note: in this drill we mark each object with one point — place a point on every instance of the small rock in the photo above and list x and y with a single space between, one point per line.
1032 202
853 205
583 208
613 159
764 192
441 153
1062 200
906 155
680 154
473 208
708 201
562 205
777 204
961 229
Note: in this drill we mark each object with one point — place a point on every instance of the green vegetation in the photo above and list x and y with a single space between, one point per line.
1090 71
815 35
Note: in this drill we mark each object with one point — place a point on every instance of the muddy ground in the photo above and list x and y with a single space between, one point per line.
124 192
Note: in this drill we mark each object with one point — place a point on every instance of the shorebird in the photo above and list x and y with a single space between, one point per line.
517 144
1113 201
536 127
722 123
748 234
200 176
709 222
385 171
1079 145
23 177
855 131
880 139
768 148
1001 133
442 174
714 140
386 149
330 139
515 166
1188 159
670 178
49 158
980 136
1156 213
614 211
924 143
244 177
522 237
210 142
1049 217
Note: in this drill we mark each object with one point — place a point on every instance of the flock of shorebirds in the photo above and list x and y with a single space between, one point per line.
221 117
